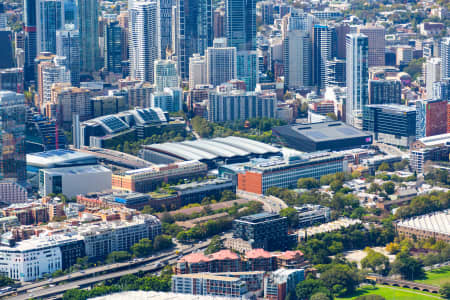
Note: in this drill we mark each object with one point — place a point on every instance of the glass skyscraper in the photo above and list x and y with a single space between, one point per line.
241 24
50 18
194 31
12 136
88 27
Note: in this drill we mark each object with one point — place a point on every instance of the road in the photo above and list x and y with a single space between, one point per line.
392 150
271 203
93 275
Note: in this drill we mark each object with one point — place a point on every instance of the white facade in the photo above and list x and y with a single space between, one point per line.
30 259
197 71
432 74
221 65
103 238
445 57
357 78
11 192
52 73
143 40
165 74
88 179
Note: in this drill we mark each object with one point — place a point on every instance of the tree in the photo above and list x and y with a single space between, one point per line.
291 214
375 261
5 281
227 196
356 174
384 167
445 290
389 187
215 245
162 242
306 288
118 256
319 296
166 217
407 266
374 187
414 68
340 279
336 185
147 210
308 183
142 248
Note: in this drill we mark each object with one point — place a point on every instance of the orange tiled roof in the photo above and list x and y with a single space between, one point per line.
224 254
194 258
291 254
258 253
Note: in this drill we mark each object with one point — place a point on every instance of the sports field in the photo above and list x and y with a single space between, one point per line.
437 277
392 293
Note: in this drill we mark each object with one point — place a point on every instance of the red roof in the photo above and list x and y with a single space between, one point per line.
291 254
258 253
224 254
194 258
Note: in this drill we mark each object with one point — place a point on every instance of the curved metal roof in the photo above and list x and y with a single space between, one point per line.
184 151
216 148
247 145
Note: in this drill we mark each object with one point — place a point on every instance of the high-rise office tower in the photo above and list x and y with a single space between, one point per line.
323 38
6 52
197 70
88 27
220 62
194 31
3 17
297 20
165 74
432 74
68 45
164 26
123 23
445 58
377 44
71 13
357 78
241 24
143 40
241 34
266 8
50 18
297 59
341 32
335 72
12 143
112 38
385 92
30 39
219 23
247 68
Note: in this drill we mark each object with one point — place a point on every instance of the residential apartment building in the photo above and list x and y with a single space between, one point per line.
240 105
310 214
265 230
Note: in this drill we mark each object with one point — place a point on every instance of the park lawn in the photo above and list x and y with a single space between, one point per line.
437 277
392 293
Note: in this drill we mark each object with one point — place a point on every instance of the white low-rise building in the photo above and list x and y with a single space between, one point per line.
72 181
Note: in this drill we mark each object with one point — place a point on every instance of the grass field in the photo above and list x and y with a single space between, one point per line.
392 293
437 277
